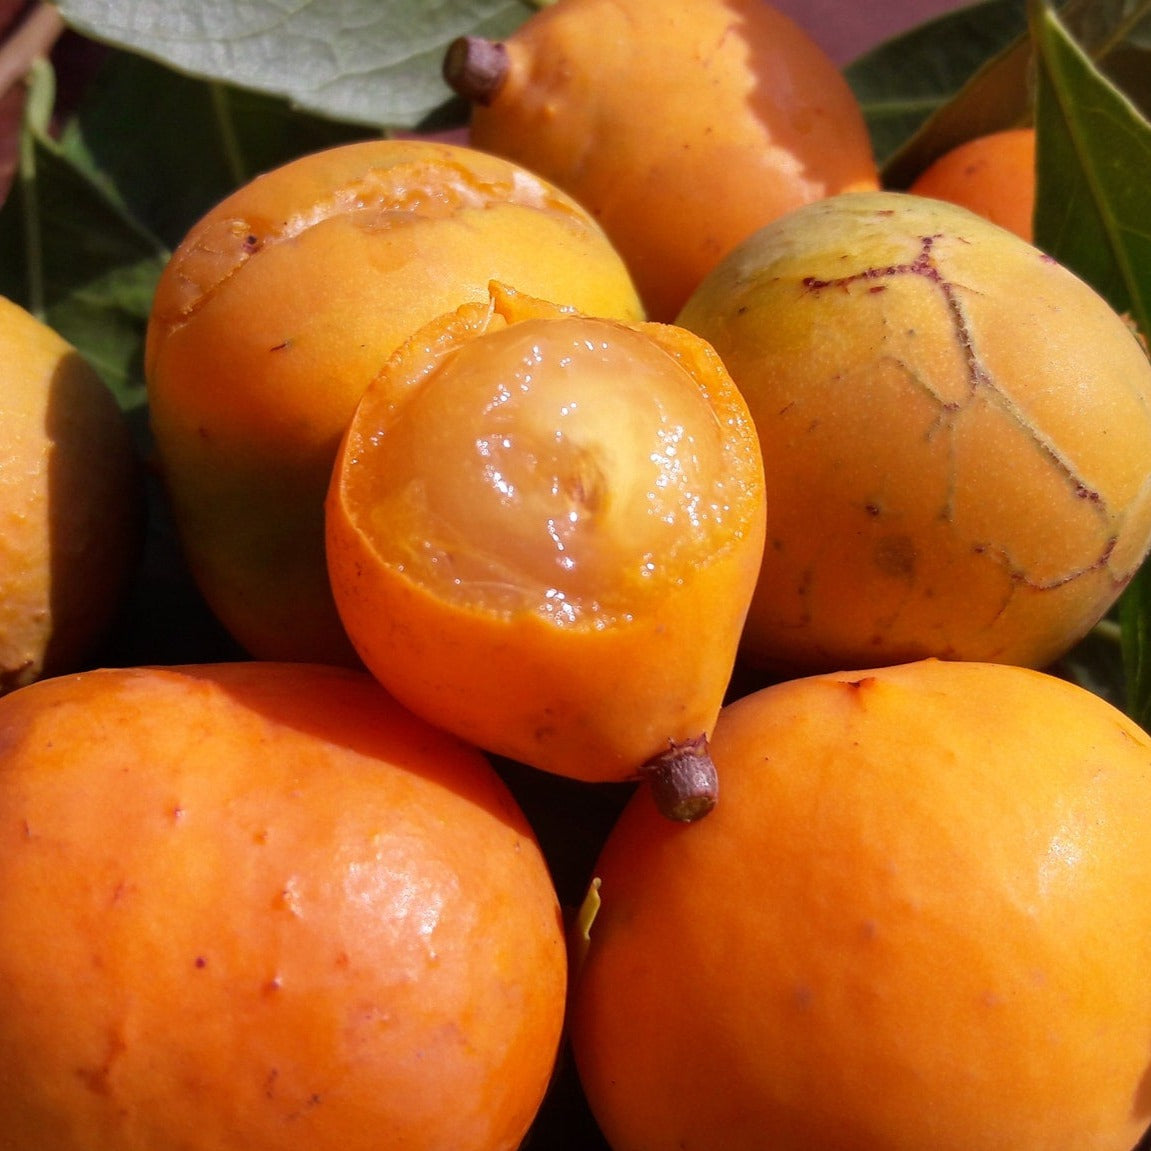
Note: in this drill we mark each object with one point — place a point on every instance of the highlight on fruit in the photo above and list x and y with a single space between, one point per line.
277 309
543 530
956 432
680 127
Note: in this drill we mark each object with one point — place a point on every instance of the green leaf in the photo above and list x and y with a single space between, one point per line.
71 254
1093 214
168 147
1093 172
372 62
95 213
1135 627
1116 34
902 83
999 93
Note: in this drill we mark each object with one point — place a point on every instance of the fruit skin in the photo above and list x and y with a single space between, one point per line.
277 309
920 916
991 175
592 699
682 128
260 907
956 433
71 503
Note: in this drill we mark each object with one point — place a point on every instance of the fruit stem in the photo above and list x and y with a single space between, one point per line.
683 780
476 68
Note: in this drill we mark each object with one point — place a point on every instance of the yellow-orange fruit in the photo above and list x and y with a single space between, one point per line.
681 127
277 309
956 434
992 175
543 533
257 907
919 917
70 502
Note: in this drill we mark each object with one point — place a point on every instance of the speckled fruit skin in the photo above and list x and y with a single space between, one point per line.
681 127
277 309
918 917
956 435
259 907
71 503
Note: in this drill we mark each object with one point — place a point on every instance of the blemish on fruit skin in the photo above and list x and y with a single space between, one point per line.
979 378
895 556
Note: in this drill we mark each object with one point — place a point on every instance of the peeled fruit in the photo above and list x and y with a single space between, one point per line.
681 127
956 433
260 907
919 917
70 503
992 175
277 309
543 532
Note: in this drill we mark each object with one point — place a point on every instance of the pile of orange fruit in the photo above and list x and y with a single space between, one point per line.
645 452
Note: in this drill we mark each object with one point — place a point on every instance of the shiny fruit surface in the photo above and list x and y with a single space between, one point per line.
681 127
543 531
920 916
70 503
991 175
277 309
259 907
956 434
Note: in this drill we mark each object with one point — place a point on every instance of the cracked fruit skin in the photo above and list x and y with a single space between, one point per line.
260 907
543 532
71 503
277 309
919 917
681 127
956 433
992 175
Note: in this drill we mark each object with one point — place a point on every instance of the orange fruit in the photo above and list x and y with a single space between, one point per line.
277 309
992 175
681 127
956 432
260 907
920 916
543 532
71 503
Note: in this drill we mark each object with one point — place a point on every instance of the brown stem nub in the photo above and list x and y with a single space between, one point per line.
683 780
476 68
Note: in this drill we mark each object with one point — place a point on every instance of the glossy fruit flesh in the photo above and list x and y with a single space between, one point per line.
540 534
278 309
556 485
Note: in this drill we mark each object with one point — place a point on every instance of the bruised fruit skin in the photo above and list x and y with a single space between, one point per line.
71 503
681 127
920 917
543 531
992 175
956 434
256 906
278 308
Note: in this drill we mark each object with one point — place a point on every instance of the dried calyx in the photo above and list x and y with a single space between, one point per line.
683 780
476 68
